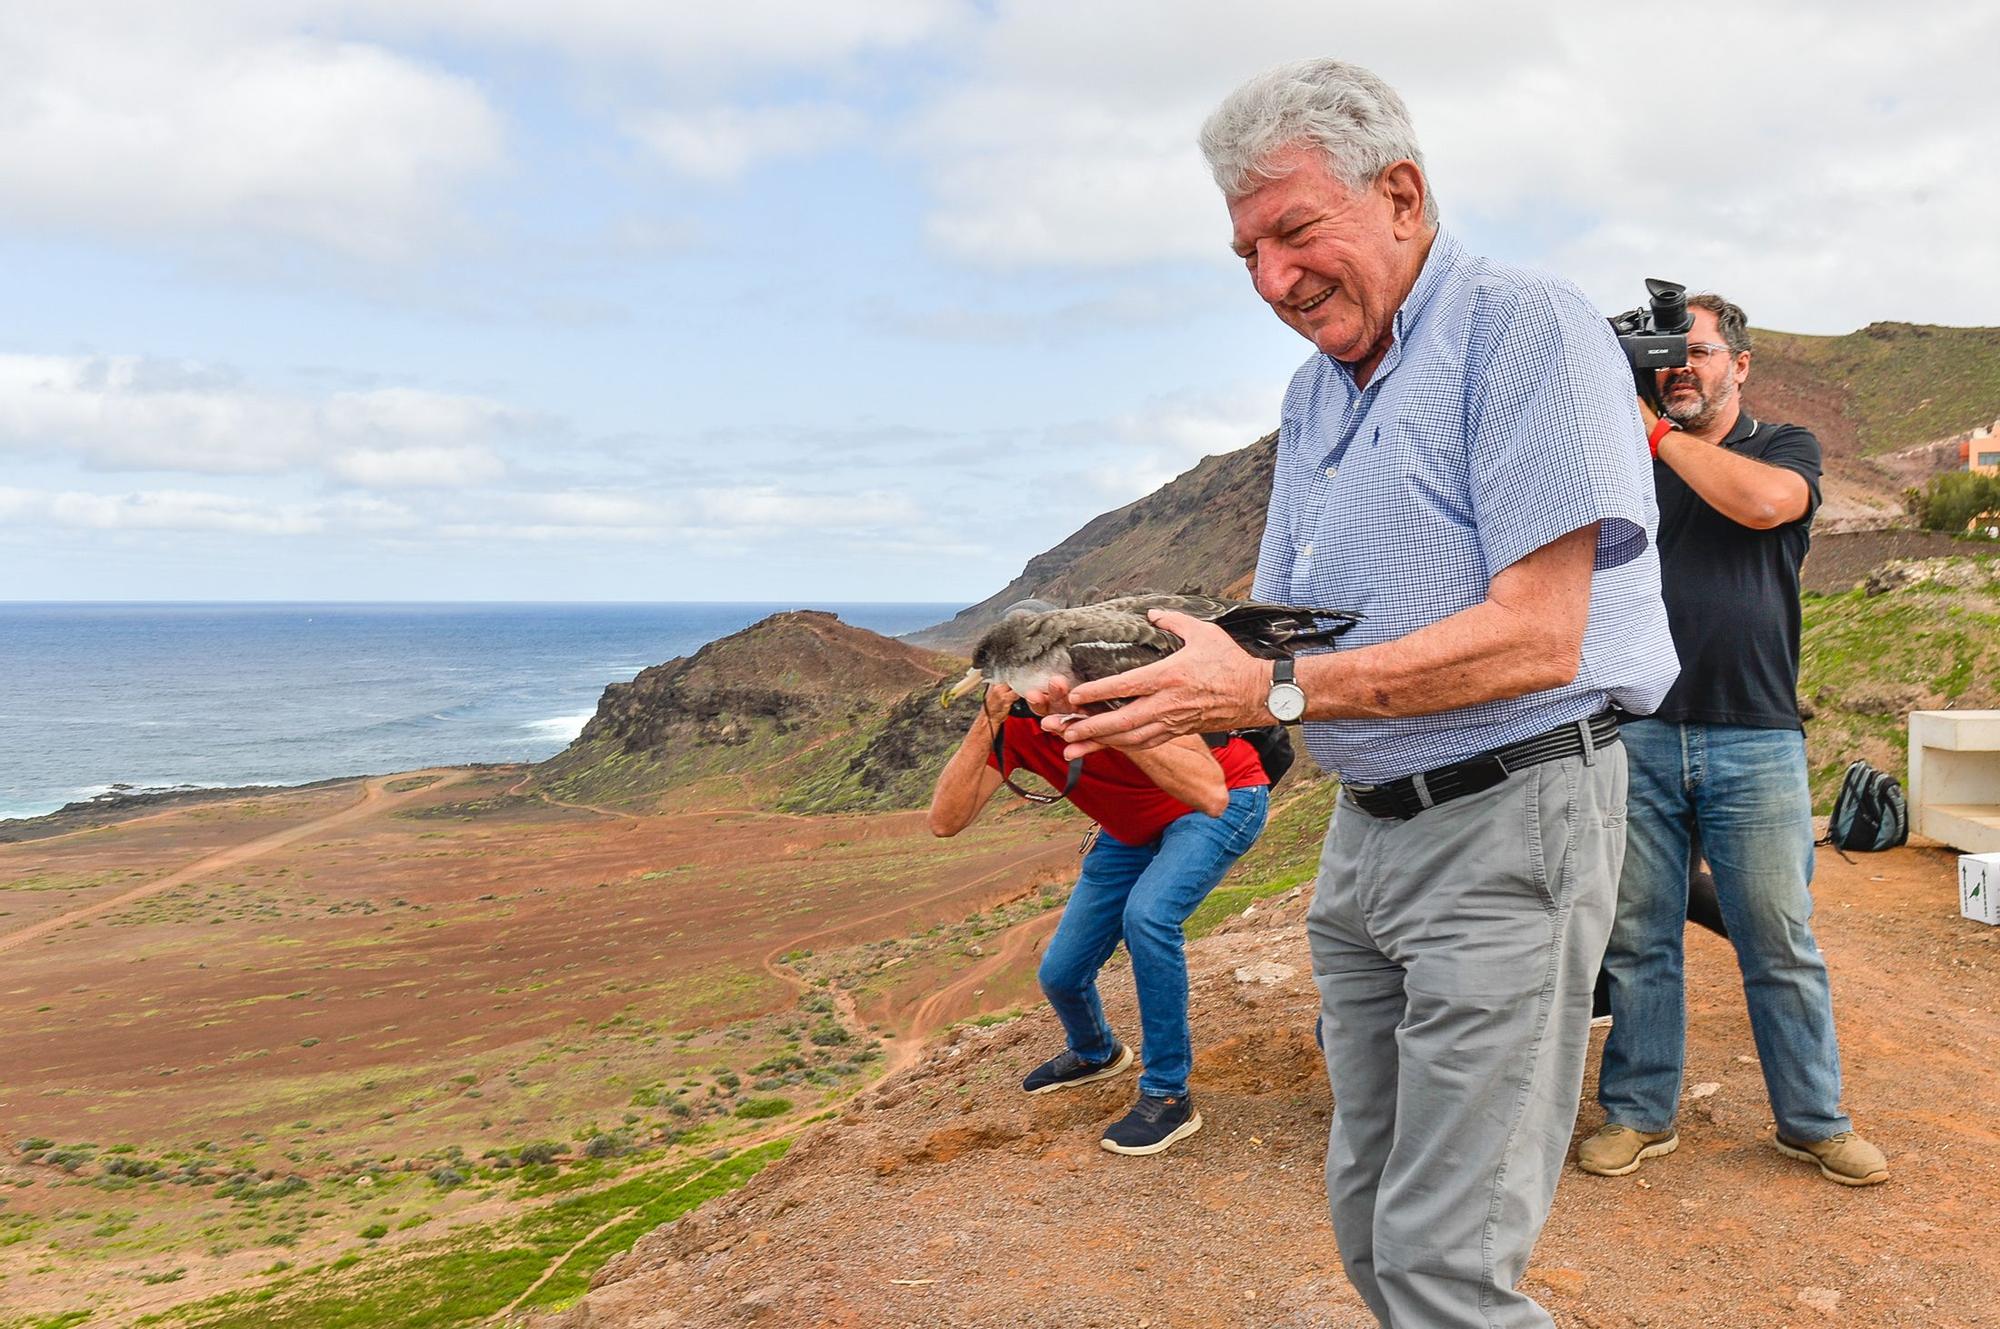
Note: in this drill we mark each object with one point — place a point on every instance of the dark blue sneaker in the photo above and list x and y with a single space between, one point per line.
1152 1124
1060 1072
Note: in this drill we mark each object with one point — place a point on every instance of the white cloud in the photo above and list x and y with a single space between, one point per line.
1605 146
1144 448
746 513
147 118
721 142
158 510
416 468
587 509
721 511
765 508
1132 306
130 413
703 45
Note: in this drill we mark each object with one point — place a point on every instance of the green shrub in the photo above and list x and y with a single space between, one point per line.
1951 500
758 1108
374 1232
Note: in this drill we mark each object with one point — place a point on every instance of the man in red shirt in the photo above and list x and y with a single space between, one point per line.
1173 819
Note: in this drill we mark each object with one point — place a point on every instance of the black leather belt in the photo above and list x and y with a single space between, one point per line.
1405 798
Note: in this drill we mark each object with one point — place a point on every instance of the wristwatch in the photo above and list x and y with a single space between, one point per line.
1286 701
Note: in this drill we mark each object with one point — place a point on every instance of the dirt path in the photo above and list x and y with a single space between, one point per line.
913 1028
616 814
564 1259
956 1000
375 797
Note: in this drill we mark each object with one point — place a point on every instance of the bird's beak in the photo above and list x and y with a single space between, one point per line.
973 678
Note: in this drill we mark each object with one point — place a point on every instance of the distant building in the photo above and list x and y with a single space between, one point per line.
1980 450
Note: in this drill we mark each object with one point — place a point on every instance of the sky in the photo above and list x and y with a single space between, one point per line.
823 301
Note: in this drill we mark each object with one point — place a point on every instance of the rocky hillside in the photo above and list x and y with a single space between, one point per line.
799 709
1888 403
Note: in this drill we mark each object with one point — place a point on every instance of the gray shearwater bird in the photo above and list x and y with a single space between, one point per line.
1028 647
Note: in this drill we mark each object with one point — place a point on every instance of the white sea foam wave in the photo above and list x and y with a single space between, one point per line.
558 728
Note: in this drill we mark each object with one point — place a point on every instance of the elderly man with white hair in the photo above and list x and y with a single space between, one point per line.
1462 461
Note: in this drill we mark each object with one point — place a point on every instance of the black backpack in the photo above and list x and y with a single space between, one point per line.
1869 814
1271 743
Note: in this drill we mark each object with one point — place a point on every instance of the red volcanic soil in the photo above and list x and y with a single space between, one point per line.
948 1198
342 956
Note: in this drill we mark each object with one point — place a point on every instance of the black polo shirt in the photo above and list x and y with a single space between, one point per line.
1732 593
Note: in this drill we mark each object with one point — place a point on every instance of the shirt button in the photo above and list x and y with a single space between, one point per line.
1332 471
1305 551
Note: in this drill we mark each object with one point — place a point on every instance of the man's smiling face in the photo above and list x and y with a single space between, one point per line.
1329 260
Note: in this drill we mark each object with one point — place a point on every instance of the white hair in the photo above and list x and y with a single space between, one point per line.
1352 117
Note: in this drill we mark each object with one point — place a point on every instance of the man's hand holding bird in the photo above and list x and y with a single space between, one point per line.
1209 686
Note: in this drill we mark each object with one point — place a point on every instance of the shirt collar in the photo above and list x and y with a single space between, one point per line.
1744 427
1445 254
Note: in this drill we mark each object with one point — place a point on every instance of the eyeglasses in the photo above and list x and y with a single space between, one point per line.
1700 352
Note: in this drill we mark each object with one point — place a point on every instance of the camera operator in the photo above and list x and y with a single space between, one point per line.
1724 760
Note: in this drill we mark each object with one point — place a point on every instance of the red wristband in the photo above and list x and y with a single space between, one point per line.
1661 428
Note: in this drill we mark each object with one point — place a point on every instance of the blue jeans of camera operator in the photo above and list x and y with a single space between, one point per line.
1745 790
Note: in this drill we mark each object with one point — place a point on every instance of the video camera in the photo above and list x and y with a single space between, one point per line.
1655 335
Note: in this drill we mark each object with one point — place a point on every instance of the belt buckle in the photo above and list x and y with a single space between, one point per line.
1363 794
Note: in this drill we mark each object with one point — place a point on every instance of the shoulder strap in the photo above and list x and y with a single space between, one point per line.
999 755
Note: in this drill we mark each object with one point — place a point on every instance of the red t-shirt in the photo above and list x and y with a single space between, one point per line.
1111 789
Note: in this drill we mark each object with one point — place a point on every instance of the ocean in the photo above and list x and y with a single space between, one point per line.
99 696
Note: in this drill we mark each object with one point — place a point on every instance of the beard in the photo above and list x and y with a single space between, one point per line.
1697 409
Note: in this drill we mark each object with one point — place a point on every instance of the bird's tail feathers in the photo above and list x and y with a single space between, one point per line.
1275 631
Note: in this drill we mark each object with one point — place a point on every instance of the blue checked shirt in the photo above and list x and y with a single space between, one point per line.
1501 419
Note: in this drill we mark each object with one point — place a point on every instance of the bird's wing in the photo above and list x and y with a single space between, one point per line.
1194 606
1111 643
1276 631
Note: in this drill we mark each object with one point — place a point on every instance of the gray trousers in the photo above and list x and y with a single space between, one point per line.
1455 955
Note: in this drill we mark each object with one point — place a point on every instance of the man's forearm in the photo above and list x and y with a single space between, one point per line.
1747 491
963 786
1187 770
1485 653
1525 636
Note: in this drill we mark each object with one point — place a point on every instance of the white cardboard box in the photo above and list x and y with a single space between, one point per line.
1979 887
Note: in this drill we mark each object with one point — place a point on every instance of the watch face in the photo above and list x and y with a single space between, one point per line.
1287 703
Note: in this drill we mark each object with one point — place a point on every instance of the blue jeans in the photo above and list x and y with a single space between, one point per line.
1740 793
1142 894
